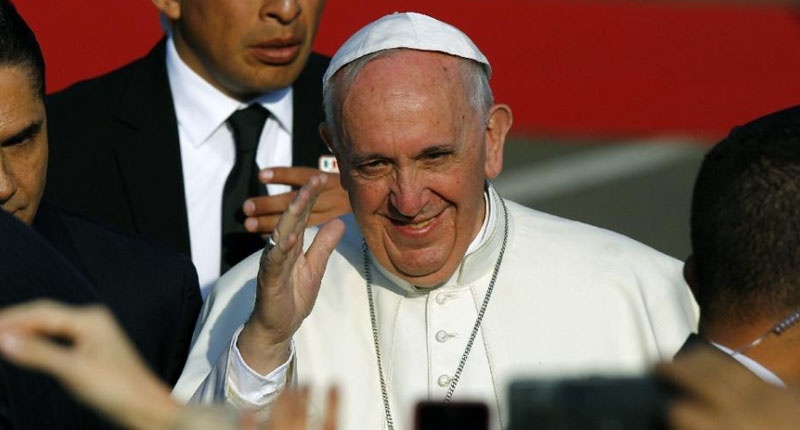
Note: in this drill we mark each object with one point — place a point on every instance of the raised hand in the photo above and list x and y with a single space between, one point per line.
288 281
263 212
92 359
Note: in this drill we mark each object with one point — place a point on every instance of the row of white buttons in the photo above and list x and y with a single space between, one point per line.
442 336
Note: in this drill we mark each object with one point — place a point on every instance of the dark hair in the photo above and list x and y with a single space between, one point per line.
18 46
745 224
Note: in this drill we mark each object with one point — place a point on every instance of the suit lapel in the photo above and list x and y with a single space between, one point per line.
150 159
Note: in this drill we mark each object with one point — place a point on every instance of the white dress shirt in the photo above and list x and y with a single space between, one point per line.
208 154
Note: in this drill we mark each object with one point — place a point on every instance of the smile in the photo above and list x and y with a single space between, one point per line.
421 224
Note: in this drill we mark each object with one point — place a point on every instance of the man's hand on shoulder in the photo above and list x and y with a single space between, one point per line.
263 212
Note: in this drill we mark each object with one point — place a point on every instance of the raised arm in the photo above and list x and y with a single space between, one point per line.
288 281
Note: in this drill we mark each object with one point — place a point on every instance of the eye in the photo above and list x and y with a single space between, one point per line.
374 168
435 157
17 141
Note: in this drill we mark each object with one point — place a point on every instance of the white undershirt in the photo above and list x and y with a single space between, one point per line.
208 154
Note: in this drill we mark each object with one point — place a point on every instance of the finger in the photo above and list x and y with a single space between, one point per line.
331 410
295 218
35 351
264 225
268 205
294 176
277 262
323 244
43 316
684 415
694 372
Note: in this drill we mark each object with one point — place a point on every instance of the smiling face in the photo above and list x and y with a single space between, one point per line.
23 143
414 157
244 48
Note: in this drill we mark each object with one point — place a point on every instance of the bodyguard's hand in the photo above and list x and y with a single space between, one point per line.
92 359
288 281
263 212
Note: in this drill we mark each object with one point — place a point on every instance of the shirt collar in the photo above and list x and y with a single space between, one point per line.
481 254
762 372
201 109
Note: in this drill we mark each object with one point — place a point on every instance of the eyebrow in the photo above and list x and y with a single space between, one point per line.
31 130
361 158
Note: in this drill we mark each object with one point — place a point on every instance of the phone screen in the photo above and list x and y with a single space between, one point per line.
589 403
451 415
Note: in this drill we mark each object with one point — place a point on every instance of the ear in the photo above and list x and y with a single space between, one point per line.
170 8
327 137
690 275
497 125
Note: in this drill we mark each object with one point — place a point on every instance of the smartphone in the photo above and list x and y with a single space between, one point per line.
430 415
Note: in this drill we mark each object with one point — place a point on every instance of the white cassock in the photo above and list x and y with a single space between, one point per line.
570 299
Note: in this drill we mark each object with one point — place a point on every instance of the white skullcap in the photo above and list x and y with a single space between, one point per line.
409 30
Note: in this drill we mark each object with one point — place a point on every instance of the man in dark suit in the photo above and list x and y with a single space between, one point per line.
151 290
148 147
745 264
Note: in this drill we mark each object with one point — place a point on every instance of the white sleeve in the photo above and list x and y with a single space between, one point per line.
233 380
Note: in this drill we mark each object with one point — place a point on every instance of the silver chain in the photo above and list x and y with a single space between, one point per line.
472 336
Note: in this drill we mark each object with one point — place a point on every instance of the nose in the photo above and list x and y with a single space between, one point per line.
284 11
408 195
8 183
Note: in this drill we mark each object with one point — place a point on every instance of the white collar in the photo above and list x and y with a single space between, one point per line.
481 255
762 372
201 109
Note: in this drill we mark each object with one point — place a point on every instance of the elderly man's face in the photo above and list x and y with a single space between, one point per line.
244 47
23 144
414 158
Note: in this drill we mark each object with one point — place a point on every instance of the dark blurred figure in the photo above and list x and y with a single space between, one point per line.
152 291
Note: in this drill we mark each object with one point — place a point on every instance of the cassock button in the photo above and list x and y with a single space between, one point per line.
441 298
443 381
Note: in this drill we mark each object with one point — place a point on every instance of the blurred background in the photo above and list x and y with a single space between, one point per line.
614 101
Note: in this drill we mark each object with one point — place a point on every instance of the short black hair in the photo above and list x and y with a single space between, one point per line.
745 224
18 46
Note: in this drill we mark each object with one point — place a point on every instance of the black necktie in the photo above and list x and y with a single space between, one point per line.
241 184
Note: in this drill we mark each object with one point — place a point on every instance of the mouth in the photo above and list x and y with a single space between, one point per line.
413 225
415 228
279 51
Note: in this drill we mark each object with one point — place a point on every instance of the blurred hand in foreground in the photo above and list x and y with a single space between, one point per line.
718 393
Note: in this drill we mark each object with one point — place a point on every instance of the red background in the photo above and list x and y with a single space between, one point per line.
568 68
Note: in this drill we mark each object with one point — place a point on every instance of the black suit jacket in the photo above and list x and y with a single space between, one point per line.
115 154
151 291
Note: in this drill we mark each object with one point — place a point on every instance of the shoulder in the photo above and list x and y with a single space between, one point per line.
117 248
103 90
309 82
580 239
